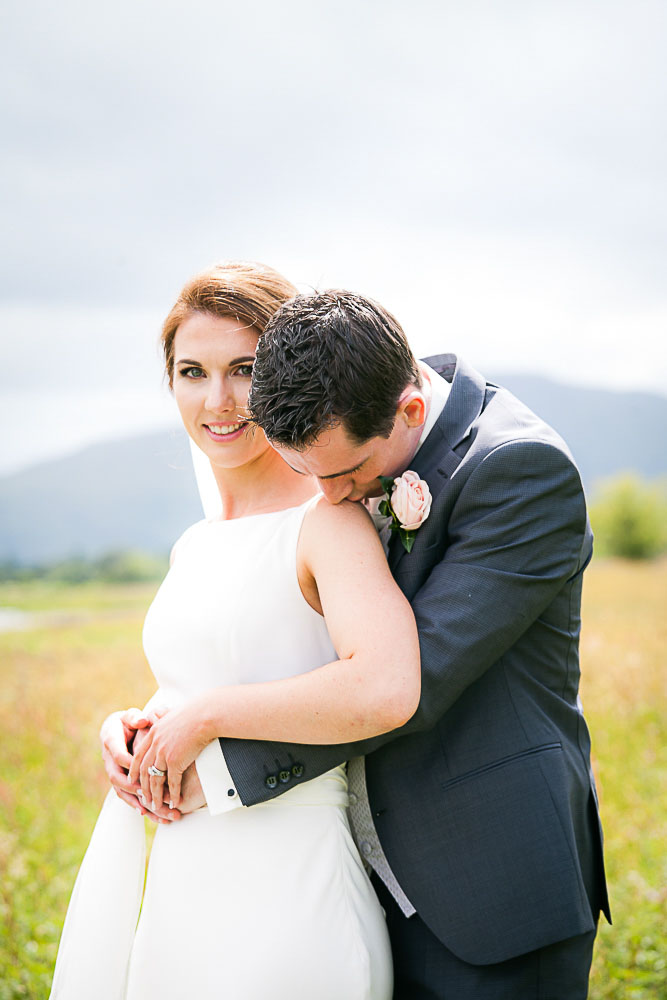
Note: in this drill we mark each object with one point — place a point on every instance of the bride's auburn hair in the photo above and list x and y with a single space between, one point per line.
245 290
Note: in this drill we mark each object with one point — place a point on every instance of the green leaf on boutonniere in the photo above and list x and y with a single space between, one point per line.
387 484
384 508
408 539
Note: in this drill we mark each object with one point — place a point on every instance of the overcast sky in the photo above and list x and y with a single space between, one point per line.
492 172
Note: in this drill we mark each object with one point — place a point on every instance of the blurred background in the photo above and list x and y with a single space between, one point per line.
493 173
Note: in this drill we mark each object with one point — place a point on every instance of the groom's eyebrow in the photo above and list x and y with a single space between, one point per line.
332 475
346 472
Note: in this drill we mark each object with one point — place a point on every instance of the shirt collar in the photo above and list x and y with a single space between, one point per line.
440 390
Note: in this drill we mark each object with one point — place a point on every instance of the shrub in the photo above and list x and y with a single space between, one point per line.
629 517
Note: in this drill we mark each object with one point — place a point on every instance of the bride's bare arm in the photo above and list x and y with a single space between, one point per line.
372 688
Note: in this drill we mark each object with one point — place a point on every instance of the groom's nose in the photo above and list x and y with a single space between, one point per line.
335 490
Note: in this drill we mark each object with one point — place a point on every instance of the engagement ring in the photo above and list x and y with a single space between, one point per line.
156 772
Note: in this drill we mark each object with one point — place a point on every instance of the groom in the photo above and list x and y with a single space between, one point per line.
479 816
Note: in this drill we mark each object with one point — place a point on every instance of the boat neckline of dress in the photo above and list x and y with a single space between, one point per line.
265 513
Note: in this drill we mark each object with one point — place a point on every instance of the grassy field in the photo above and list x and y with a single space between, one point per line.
58 682
624 692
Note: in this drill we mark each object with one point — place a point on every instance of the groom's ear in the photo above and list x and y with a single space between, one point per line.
412 406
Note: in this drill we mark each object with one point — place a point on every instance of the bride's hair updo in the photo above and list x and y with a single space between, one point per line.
247 291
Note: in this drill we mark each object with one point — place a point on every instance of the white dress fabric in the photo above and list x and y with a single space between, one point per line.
270 901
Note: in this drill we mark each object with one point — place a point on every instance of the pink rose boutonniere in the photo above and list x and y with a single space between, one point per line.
408 504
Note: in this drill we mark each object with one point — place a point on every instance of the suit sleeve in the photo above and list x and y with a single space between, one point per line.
517 533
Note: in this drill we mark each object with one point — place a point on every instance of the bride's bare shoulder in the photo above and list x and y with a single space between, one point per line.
335 531
323 515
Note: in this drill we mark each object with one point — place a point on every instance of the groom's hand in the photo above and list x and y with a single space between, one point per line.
192 797
192 793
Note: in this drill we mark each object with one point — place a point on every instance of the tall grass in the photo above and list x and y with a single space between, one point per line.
625 699
57 684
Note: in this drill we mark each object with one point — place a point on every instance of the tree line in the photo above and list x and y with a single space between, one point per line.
126 566
628 516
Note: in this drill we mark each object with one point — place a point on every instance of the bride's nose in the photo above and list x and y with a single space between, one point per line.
219 396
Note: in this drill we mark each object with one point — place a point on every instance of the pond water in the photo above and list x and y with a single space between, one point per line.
15 620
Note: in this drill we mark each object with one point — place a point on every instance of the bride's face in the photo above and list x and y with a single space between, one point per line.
213 358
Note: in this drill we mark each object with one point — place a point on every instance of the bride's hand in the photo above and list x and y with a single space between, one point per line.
171 745
121 734
117 733
161 813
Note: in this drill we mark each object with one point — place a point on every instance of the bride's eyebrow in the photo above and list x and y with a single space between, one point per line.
234 361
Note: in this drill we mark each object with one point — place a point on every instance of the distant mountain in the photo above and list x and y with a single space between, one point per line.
133 493
608 432
140 492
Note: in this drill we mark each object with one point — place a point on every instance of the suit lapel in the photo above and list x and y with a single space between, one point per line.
437 460
466 398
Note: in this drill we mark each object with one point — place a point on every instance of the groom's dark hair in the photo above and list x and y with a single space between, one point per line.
327 359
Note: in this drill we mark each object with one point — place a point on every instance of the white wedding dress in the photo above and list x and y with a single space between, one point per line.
264 903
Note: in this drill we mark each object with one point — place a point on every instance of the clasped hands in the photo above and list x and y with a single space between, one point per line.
168 739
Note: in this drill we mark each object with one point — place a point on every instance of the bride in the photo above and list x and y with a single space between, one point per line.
279 620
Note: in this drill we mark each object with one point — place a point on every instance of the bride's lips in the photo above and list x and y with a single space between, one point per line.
226 432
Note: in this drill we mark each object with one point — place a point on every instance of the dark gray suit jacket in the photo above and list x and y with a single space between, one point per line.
484 802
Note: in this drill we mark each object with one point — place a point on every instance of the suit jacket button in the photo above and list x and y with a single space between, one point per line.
271 781
297 770
285 776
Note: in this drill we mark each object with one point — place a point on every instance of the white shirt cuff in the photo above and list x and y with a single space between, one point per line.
216 781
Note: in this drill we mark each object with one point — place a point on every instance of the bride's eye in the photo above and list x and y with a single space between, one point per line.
244 370
191 371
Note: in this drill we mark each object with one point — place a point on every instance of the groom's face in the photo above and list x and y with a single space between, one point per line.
347 470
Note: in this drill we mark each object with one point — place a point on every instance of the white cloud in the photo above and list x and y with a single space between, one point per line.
494 173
